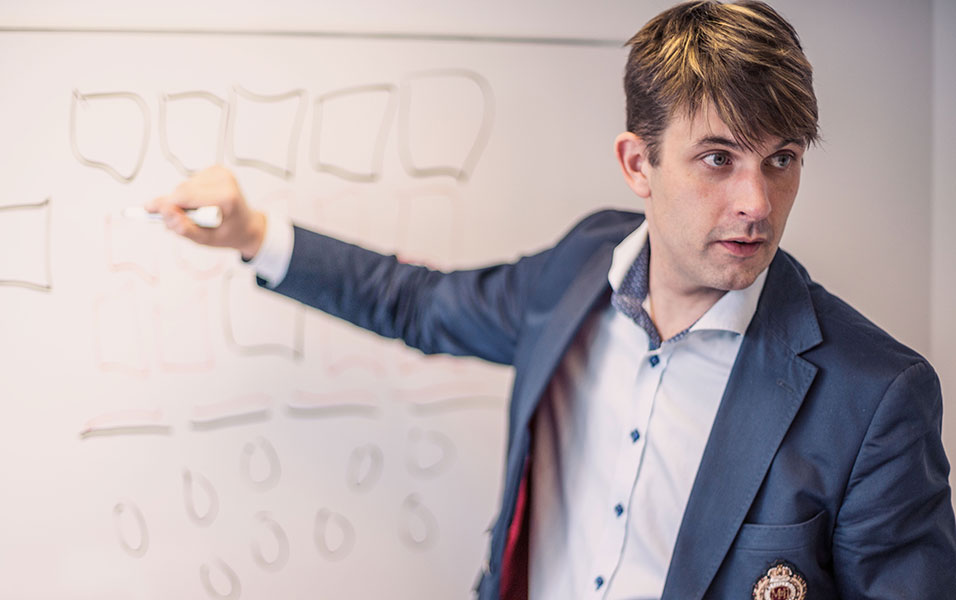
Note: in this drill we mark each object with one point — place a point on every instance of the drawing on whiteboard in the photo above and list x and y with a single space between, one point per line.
445 118
419 529
241 410
127 250
428 227
357 119
103 137
449 397
190 124
464 402
430 453
210 498
365 467
281 544
273 470
264 130
348 403
118 339
122 525
202 262
126 422
334 535
25 241
250 336
235 586
183 339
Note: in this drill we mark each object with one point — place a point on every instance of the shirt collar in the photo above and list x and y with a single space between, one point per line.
733 312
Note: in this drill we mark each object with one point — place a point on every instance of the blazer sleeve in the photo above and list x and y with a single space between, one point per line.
894 534
467 313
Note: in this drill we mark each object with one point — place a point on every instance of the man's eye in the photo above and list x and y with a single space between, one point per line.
781 161
717 159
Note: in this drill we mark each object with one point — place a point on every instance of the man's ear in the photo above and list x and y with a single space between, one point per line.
631 152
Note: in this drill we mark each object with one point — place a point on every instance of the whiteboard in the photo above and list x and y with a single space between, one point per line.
173 431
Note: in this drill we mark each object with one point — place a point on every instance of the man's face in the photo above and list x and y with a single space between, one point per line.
715 210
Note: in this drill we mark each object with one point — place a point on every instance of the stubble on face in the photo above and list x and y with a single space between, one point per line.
717 210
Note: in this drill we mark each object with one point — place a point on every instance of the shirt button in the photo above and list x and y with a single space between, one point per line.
619 510
598 582
635 435
654 360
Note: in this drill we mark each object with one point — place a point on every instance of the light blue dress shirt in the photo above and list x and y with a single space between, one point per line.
618 439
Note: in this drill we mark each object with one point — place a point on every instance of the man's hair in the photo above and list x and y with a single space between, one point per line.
743 59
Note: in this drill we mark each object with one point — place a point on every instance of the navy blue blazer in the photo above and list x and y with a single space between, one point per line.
826 450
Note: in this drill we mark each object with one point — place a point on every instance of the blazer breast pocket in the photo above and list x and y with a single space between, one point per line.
801 547
757 537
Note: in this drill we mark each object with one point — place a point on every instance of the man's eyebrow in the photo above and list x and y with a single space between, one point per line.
719 140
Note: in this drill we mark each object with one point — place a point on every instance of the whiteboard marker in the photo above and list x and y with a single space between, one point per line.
206 216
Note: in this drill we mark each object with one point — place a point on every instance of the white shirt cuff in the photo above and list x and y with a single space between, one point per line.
272 261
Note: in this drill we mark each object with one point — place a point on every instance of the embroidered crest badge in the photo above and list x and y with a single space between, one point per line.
780 583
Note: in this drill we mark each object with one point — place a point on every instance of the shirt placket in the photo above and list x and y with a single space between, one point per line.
633 433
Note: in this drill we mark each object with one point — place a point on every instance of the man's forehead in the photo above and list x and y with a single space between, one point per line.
705 128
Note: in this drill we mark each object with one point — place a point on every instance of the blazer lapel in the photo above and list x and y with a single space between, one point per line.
764 392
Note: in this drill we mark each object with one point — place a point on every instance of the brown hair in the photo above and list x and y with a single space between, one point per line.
742 58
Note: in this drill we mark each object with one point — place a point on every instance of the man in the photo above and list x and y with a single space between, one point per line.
692 417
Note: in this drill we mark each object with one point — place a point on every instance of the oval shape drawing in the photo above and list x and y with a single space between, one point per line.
235 586
268 452
430 453
190 482
127 511
365 467
419 528
281 545
334 535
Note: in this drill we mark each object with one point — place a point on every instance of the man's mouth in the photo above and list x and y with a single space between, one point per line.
742 247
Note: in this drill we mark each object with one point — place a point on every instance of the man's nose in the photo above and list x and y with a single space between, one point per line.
752 196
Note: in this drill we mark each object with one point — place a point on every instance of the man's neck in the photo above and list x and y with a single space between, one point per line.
673 310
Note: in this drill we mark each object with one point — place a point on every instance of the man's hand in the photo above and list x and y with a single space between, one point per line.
242 228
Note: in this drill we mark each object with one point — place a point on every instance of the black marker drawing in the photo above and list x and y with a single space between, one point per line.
286 170
266 449
461 172
334 535
430 453
458 403
449 397
189 498
372 150
126 422
294 350
281 543
222 105
351 403
39 282
128 510
365 467
83 99
235 586
242 410
419 529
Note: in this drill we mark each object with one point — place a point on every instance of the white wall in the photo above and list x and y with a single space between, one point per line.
943 315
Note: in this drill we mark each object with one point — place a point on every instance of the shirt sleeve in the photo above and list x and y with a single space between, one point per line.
272 261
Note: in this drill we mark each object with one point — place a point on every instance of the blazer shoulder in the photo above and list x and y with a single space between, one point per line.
852 343
599 228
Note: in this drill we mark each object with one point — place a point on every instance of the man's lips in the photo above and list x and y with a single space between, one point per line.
742 247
